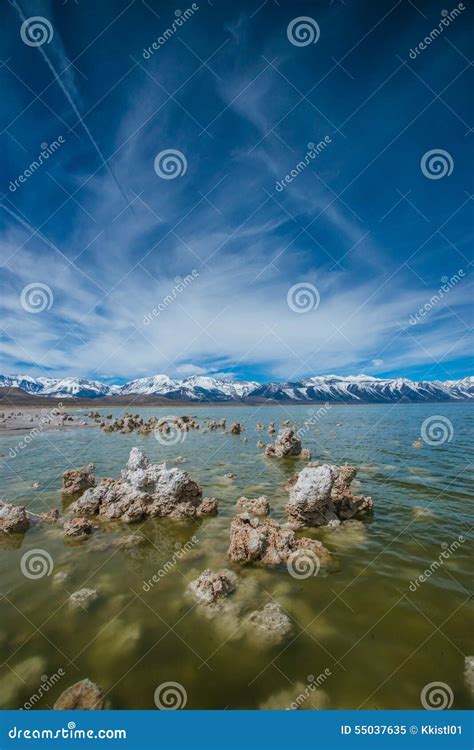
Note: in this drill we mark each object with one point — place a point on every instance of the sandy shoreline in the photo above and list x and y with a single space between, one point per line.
27 419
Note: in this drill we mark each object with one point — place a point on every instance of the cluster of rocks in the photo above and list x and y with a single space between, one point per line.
211 590
145 490
134 423
287 443
253 539
213 425
258 506
76 481
321 495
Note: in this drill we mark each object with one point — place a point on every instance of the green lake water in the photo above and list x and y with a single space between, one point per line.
379 641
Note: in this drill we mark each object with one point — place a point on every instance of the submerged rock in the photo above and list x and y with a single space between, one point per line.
145 491
84 598
210 587
13 518
82 696
253 539
321 495
258 506
286 444
270 623
208 507
76 481
50 516
77 529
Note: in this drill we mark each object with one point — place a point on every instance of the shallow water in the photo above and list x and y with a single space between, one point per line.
379 641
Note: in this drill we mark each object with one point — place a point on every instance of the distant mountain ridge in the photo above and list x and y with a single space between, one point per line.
200 388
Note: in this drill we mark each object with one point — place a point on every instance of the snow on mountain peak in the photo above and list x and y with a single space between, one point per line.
352 388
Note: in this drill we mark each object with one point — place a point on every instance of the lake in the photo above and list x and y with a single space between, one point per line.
370 632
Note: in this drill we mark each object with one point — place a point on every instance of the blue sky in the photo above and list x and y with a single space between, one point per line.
106 236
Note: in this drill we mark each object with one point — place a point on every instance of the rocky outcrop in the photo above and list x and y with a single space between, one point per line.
84 598
13 518
235 428
258 506
82 696
77 529
208 507
286 444
253 539
270 623
145 491
210 586
321 495
79 480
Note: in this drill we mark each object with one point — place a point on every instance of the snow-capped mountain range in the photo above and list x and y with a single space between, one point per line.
198 388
